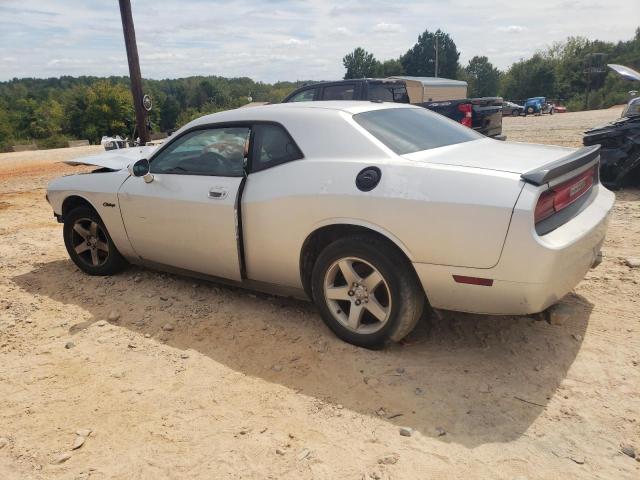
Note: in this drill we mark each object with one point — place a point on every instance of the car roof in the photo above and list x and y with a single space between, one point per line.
325 83
274 111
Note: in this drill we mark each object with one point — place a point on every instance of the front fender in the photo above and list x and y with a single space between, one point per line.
100 190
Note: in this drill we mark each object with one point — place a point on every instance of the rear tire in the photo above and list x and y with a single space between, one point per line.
367 291
89 244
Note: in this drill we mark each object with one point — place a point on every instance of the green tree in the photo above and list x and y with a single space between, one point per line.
169 114
392 68
529 78
360 64
47 120
103 108
6 130
483 77
419 61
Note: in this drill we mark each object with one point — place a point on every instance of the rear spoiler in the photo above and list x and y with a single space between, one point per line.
557 168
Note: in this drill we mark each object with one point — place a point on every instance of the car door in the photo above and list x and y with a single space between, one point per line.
187 216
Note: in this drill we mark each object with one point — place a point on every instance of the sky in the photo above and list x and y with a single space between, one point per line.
272 40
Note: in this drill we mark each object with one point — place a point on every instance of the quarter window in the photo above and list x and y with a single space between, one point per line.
215 151
408 130
272 146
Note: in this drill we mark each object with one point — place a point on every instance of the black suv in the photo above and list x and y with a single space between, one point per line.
482 114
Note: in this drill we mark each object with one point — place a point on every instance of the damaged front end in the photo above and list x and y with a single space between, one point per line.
619 140
620 151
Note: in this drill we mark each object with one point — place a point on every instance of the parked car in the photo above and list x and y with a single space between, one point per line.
113 143
442 95
512 109
373 210
538 106
620 164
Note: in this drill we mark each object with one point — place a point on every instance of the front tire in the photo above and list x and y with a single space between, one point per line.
530 110
89 244
366 291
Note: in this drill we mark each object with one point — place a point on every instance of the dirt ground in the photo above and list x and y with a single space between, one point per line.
177 378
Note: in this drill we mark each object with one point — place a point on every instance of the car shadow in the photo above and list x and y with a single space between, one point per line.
480 379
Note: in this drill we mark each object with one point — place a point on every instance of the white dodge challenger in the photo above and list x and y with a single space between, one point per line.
372 210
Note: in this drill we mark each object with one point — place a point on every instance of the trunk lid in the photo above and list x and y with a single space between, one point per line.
492 154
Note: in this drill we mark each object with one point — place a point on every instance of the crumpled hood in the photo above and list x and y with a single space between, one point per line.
492 154
114 159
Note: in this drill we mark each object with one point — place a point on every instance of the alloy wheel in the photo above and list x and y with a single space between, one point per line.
90 242
357 295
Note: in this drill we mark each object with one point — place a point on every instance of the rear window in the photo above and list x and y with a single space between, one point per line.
388 92
408 130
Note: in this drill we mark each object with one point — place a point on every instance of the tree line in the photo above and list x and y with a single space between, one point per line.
558 72
54 110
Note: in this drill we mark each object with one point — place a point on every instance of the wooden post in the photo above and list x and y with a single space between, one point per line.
134 70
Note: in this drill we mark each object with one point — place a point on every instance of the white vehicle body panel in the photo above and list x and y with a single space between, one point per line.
174 221
534 272
492 154
456 210
393 209
114 159
101 191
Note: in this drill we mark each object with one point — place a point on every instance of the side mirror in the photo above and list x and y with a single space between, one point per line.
141 168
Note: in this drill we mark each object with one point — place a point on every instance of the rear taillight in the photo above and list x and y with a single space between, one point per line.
544 207
467 109
563 195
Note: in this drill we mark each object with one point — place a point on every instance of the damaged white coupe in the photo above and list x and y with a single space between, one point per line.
372 210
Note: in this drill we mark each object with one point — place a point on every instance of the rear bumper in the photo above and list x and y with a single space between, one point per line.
533 272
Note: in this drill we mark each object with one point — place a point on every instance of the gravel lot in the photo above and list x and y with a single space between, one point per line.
176 378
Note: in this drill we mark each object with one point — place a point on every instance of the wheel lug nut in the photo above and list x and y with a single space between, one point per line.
351 293
358 302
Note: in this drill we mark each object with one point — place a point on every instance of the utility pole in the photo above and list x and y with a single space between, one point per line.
594 64
134 70
436 35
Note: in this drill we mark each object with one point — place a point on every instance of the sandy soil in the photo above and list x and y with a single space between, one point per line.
187 379
559 129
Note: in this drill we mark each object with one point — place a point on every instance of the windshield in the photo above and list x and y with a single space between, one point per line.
408 130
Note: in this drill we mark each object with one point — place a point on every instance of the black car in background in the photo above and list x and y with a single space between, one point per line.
444 96
512 109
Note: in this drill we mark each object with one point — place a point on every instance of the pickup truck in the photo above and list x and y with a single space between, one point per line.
538 106
444 96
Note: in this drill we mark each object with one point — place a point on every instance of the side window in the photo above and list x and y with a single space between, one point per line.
339 92
214 151
272 146
304 96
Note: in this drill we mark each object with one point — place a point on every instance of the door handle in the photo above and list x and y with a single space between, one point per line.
217 193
